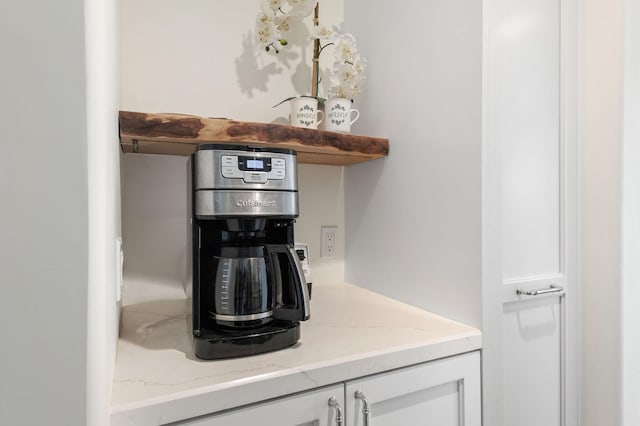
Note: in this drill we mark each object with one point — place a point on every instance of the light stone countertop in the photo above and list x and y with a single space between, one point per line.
352 333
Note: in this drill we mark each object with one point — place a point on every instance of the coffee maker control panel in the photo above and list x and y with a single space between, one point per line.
219 167
252 169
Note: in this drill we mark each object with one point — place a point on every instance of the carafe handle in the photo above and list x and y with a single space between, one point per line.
300 310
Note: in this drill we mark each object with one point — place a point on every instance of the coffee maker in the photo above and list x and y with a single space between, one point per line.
249 290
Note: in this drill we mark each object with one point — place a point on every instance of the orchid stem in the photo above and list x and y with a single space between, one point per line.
316 55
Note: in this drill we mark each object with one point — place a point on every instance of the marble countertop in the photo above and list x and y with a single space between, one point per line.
352 333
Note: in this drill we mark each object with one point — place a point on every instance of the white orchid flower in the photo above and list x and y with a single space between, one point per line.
345 49
283 23
273 23
321 32
274 5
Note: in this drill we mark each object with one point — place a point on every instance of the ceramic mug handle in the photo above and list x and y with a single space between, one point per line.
353 120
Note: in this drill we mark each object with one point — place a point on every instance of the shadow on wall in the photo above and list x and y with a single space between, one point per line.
251 76
255 66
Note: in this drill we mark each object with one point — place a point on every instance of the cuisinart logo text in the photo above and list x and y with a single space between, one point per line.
256 203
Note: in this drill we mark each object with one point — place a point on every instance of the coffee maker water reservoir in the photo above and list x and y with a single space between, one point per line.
249 291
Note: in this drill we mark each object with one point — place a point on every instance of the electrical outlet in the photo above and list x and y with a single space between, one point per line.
328 241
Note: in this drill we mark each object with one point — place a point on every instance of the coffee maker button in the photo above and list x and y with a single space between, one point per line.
232 173
255 177
277 163
277 174
229 160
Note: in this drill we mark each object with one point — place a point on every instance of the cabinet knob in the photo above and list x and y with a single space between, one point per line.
365 407
333 403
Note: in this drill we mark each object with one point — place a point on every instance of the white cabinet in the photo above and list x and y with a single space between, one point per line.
443 393
530 322
439 393
306 409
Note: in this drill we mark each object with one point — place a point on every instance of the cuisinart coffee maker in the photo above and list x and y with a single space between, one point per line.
249 291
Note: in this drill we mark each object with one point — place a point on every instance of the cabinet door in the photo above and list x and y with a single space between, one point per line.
439 393
529 214
306 409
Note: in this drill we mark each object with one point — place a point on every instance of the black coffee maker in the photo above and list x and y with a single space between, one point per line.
249 291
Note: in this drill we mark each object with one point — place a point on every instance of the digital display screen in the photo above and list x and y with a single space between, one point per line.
255 164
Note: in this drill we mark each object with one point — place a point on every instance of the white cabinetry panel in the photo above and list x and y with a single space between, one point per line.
533 212
530 93
529 213
532 362
444 393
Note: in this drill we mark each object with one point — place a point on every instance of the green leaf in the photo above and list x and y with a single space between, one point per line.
283 101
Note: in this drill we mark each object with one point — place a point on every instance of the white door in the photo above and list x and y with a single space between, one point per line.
529 217
323 407
443 393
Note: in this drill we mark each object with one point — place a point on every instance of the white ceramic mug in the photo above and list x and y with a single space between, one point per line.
305 113
340 115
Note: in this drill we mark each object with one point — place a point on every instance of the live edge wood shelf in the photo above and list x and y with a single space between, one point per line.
177 134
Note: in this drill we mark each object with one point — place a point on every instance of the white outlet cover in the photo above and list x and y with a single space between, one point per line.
328 241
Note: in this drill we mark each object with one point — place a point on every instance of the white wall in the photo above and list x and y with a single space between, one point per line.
631 218
611 212
413 219
44 214
601 212
198 57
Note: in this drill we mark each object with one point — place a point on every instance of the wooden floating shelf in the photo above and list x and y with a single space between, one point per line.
178 134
